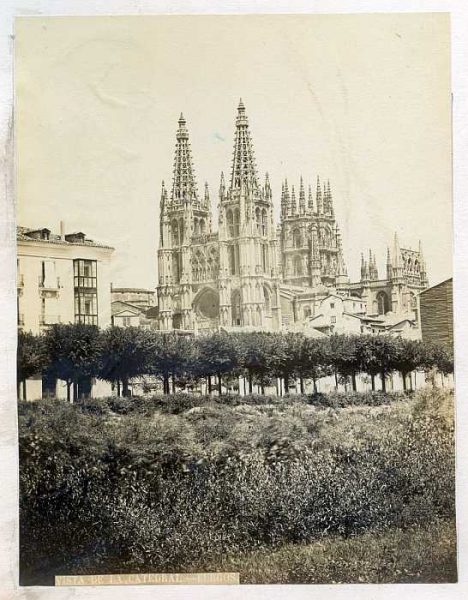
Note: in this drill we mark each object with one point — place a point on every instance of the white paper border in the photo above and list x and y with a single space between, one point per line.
8 429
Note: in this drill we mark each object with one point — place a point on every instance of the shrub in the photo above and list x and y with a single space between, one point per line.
115 491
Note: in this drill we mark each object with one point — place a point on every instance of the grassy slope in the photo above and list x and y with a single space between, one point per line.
414 555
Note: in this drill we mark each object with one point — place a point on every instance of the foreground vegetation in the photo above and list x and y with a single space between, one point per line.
166 484
417 554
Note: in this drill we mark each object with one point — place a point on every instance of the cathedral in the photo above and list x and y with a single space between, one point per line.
254 274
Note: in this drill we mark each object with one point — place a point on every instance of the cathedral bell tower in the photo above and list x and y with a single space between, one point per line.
248 278
311 248
182 216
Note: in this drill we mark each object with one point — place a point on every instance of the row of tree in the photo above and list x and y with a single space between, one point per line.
77 353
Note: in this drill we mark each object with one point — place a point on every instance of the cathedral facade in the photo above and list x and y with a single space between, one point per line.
254 274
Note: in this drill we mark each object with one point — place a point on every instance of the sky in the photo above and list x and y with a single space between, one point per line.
362 100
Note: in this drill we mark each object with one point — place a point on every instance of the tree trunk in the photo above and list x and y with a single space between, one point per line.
125 390
173 385
353 380
208 381
384 383
373 382
336 381
315 385
69 399
118 388
403 378
165 384
219 384
301 383
263 389
250 381
286 384
25 393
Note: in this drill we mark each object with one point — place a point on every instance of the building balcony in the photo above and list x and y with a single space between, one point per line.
50 284
46 320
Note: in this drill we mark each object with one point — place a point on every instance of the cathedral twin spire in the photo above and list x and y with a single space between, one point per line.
184 188
243 172
244 169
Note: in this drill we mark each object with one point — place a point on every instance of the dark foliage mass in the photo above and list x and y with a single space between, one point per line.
176 482
75 353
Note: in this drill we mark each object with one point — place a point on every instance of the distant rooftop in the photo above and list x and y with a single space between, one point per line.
448 281
126 290
26 234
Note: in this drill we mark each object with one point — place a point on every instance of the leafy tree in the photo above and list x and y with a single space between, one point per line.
286 356
444 361
217 355
314 360
30 358
255 355
436 357
376 355
125 354
73 355
345 357
407 357
173 355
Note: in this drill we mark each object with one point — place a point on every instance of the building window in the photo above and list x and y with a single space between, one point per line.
234 259
297 266
296 238
264 222
383 305
182 231
175 233
266 296
48 277
85 284
265 258
333 320
236 222
177 266
236 309
232 217
85 273
332 305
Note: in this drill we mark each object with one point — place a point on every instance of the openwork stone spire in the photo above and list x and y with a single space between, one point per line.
244 170
302 198
184 187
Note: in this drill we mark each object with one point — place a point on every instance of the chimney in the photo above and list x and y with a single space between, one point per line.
62 230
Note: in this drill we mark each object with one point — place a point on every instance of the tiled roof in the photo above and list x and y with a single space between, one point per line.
22 236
